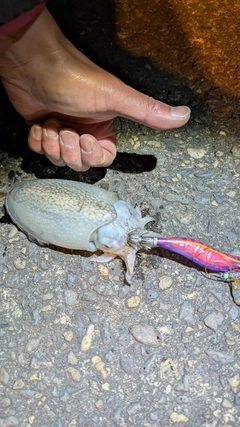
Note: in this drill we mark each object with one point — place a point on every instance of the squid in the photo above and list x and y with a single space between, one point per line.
81 216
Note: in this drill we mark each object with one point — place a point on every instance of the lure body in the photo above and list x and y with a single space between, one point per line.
76 215
200 253
223 266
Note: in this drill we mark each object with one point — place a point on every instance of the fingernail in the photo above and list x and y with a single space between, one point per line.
37 132
51 129
87 144
69 139
180 112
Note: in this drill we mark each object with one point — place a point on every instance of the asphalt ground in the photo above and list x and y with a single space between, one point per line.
80 347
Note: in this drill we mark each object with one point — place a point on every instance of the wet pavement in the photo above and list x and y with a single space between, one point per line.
80 347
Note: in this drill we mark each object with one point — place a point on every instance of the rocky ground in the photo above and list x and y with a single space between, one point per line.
79 347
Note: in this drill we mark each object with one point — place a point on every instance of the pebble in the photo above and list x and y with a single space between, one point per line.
133 408
99 404
68 336
38 361
169 369
233 312
13 231
72 359
145 334
106 332
47 296
32 344
71 297
19 263
5 402
185 218
214 320
18 384
196 153
187 312
126 363
124 339
100 366
4 376
183 384
165 282
133 302
178 418
220 356
151 294
87 339
75 374
234 382
226 404
70 279
236 151
9 422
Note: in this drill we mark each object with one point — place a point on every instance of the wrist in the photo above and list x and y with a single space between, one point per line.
40 35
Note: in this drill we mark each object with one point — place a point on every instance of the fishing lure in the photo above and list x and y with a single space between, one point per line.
218 265
81 216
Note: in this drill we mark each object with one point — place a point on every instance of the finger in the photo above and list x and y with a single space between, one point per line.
70 150
129 103
50 141
97 153
35 138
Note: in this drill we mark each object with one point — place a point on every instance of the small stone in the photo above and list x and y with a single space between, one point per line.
133 301
99 404
9 422
32 344
19 264
18 384
105 387
196 153
31 419
103 270
178 418
220 357
13 231
151 294
47 296
234 382
226 404
4 376
169 369
187 312
87 339
165 282
5 402
38 361
68 336
72 359
145 334
75 374
126 363
46 308
134 408
71 297
100 366
236 151
185 218
233 312
214 320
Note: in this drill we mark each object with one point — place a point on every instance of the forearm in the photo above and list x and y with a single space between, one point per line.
15 17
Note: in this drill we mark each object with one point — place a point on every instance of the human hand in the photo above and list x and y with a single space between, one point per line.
69 102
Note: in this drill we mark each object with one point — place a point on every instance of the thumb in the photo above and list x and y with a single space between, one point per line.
146 110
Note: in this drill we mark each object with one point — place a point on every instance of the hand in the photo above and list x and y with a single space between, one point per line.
69 102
